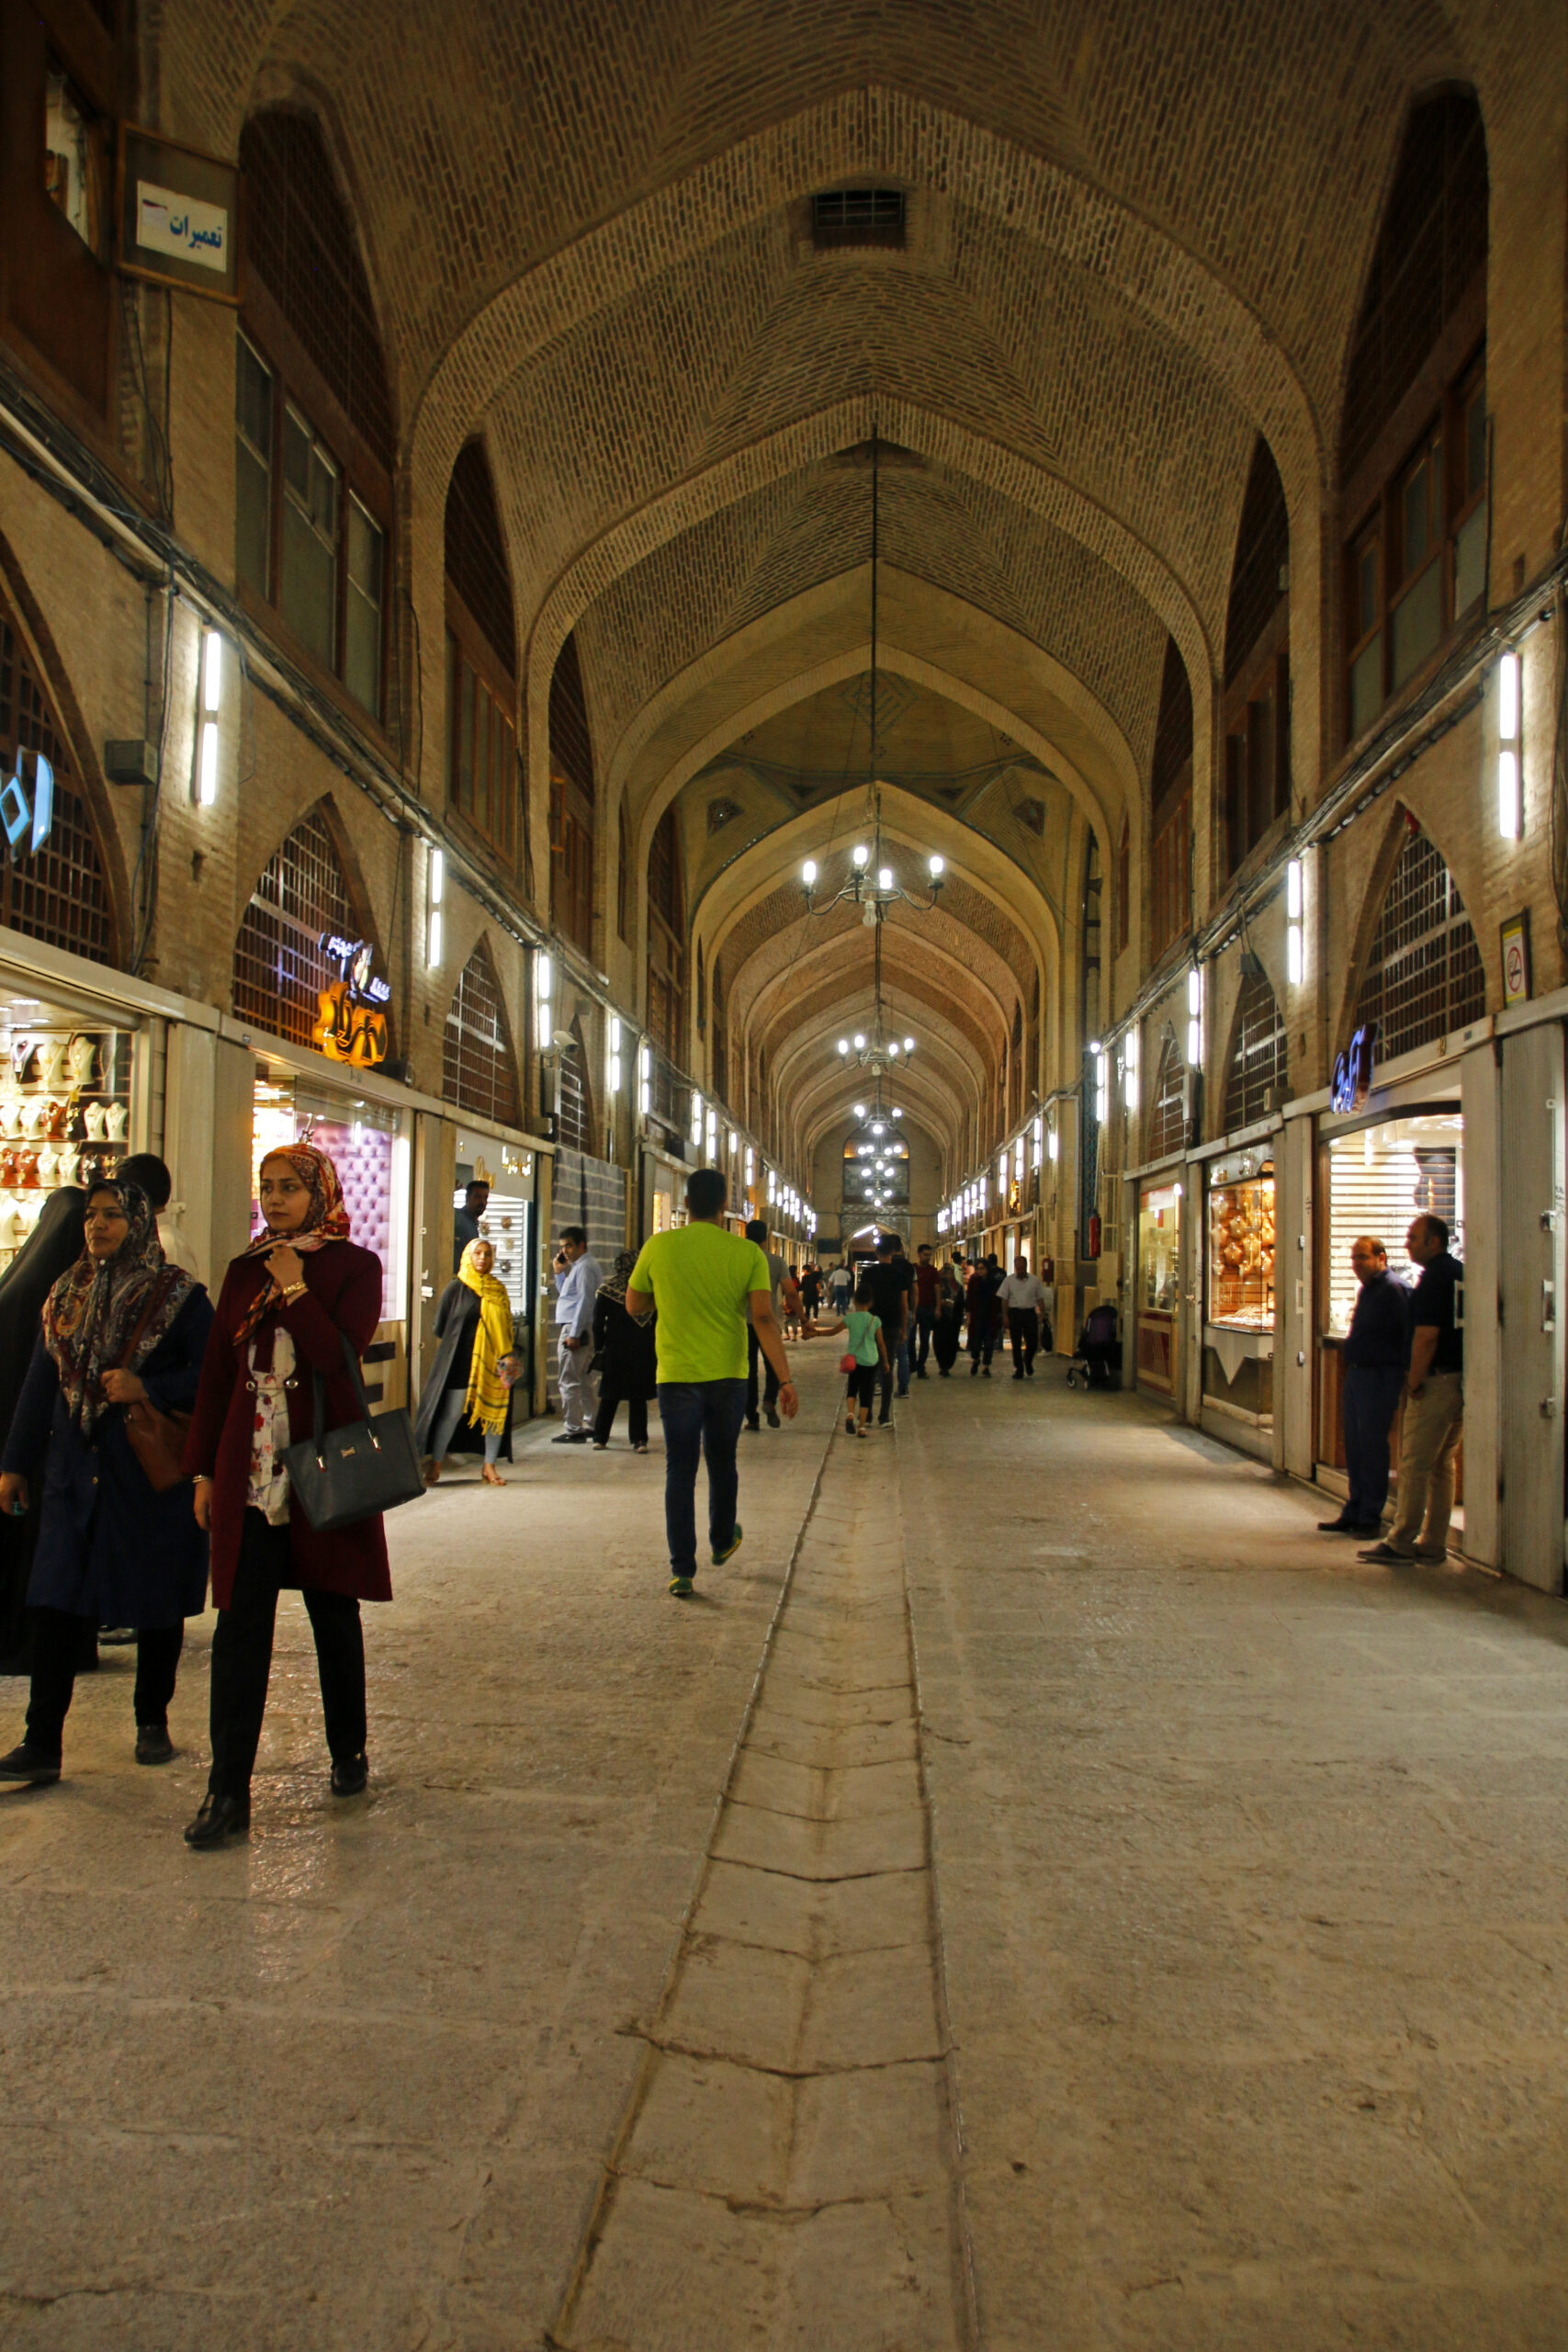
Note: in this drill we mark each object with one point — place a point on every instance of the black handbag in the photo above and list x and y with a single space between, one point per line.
339 1477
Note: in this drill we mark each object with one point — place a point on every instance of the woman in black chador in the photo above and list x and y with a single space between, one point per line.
624 1351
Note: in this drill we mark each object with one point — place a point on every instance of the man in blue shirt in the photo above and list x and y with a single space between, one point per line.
577 1281
1373 1358
1433 1401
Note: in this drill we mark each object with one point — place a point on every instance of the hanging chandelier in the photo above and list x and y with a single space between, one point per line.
871 883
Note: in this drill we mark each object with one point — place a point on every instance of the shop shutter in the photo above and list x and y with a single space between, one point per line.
479 1067
279 967
59 892
1423 977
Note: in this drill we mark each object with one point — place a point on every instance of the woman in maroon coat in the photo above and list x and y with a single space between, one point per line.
283 1306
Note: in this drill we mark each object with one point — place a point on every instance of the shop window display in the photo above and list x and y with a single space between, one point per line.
1241 1251
64 1111
1159 1281
366 1144
1381 1178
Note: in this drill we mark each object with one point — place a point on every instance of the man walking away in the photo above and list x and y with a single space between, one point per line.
904 1268
810 1296
1433 1401
577 1281
841 1286
777 1271
703 1281
1373 1360
981 1300
889 1280
1023 1304
925 1306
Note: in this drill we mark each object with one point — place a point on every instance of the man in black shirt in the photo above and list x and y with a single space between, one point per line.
1433 1401
890 1281
1373 1358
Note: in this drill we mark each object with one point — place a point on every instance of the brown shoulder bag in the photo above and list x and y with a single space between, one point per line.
157 1439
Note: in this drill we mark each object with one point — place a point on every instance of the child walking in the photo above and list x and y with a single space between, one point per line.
863 1340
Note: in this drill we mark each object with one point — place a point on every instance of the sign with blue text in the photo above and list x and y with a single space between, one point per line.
178 212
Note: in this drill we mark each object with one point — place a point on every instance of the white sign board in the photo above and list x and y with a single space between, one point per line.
170 224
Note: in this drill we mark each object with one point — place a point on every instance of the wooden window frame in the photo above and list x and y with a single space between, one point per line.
471 668
1170 870
297 384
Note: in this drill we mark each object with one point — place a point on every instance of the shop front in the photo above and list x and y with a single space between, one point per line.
1239 1299
1377 1173
509 1223
1158 1290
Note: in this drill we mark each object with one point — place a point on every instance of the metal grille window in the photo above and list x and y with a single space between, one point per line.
279 969
1260 573
1260 1056
571 802
479 1070
572 1118
666 939
58 892
857 216
1167 1111
1423 977
476 554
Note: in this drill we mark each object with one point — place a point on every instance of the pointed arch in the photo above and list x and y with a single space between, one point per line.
1423 978
479 1067
1259 1058
303 895
1171 808
571 801
667 938
1168 1105
483 779
60 892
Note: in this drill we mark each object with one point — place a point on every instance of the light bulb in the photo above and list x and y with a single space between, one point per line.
844 1045
861 854
808 872
938 866
908 1044
885 877
860 1042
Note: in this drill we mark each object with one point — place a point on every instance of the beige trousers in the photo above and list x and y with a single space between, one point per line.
1428 1441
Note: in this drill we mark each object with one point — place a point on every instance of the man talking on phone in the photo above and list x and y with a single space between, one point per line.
576 1279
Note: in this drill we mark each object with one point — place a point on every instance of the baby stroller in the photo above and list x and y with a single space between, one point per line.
1097 1361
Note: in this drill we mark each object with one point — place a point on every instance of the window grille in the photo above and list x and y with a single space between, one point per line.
1434 239
300 242
1262 554
280 970
570 747
1423 977
1260 1055
476 553
1168 1112
58 893
858 216
572 1118
478 1071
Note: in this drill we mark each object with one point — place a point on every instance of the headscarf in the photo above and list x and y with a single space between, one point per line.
94 1310
485 1404
614 1286
326 1220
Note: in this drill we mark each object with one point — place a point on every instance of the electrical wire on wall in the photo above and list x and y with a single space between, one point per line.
144 875
158 429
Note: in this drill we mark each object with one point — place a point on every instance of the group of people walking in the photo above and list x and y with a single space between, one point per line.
148 1451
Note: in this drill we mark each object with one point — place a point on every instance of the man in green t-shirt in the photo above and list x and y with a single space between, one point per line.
704 1282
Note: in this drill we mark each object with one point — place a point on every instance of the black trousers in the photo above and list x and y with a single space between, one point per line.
57 1652
770 1380
610 1396
242 1659
1023 1329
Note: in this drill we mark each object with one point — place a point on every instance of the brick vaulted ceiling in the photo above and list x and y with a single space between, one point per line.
1137 236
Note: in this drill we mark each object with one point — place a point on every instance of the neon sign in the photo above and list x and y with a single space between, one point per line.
18 816
351 1025
1352 1081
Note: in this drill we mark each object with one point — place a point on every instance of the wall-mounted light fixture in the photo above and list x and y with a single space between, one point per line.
434 906
644 1079
1195 1017
696 1118
1039 1142
544 988
614 1054
211 701
1130 1051
1102 1084
1509 796
1295 940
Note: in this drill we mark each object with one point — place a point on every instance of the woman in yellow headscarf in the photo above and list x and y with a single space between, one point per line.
474 1369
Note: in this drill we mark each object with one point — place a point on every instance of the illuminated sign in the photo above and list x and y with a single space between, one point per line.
351 1026
21 817
1353 1070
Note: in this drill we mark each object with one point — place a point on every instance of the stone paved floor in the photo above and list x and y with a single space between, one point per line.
1112 1916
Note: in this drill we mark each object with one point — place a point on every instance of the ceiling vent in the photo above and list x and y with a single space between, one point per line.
843 217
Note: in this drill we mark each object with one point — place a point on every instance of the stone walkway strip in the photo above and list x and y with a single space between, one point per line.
788 2171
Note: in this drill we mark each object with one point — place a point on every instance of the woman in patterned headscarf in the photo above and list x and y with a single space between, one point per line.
118 1327
288 1304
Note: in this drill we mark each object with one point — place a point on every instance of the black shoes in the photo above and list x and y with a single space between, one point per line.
29 1763
1349 1527
570 1437
154 1744
349 1774
220 1819
1018 1376
773 1418
753 1421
